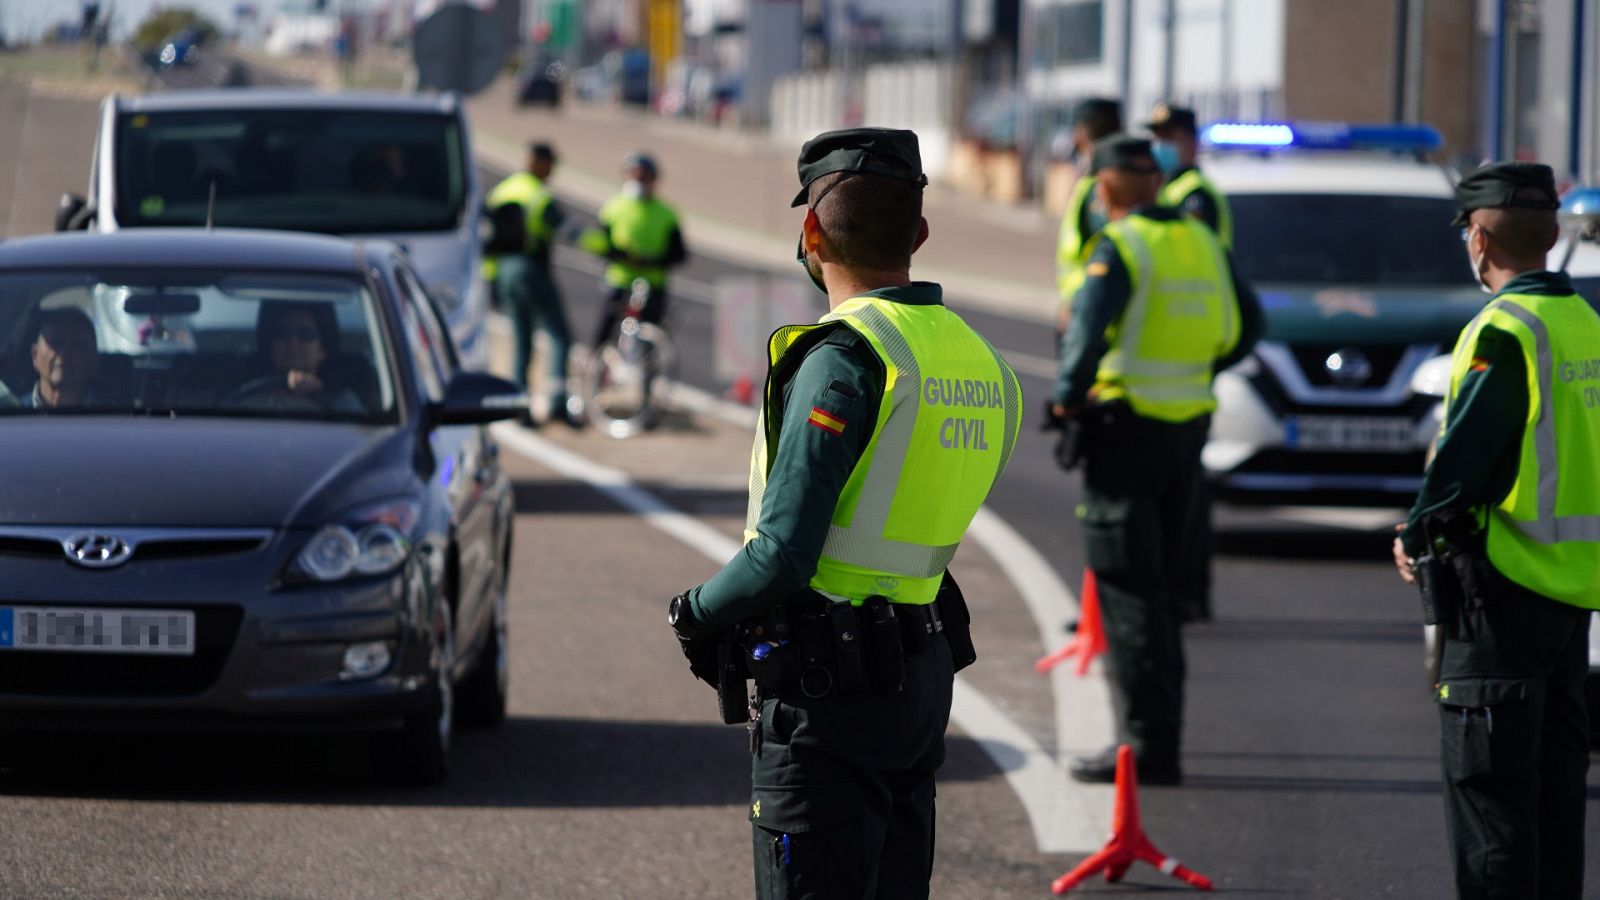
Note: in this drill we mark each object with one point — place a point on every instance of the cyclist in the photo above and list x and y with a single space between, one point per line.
640 237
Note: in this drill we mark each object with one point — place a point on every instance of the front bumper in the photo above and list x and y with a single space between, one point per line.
264 659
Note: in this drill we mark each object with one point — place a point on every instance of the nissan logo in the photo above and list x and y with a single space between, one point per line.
97 551
1348 366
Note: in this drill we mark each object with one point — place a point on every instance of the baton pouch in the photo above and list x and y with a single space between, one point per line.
849 664
1436 583
883 644
732 700
957 622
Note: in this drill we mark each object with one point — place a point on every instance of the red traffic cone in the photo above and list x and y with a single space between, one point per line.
1128 844
1090 639
743 390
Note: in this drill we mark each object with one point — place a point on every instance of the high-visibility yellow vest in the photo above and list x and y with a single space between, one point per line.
639 227
947 424
1176 191
1182 317
531 194
1545 534
1072 245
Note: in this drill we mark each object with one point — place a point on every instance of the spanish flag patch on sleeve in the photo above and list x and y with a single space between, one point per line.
1479 364
826 421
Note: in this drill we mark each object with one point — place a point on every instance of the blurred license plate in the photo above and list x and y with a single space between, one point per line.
67 630
1374 434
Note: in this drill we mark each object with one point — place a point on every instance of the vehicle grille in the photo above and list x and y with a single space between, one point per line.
125 675
151 549
1313 359
1305 462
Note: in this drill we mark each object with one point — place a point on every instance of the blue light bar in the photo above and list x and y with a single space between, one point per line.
1397 138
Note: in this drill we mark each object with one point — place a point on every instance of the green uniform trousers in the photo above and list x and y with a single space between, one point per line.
524 287
842 790
1514 740
1141 483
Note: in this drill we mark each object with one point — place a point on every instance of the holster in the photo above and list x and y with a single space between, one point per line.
1454 577
957 622
732 698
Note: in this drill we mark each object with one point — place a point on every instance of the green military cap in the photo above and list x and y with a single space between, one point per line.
1168 116
890 152
1123 151
1497 185
1098 109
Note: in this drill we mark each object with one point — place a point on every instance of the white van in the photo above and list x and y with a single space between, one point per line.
358 165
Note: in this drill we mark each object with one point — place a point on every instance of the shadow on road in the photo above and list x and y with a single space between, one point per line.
528 762
556 496
1225 629
1304 543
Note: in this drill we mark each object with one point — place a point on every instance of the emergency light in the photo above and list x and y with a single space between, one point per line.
1397 138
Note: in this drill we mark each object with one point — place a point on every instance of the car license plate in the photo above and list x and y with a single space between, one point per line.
69 630
1362 434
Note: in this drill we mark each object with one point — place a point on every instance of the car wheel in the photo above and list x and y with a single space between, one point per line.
483 694
420 753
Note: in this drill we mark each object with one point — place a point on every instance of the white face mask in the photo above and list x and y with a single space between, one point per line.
634 189
1477 267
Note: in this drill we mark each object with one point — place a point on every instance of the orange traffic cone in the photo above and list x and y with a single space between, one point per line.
1128 844
1090 639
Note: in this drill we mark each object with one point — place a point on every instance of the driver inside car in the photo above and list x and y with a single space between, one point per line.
65 356
294 341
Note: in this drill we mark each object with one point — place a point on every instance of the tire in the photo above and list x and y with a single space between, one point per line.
482 697
420 753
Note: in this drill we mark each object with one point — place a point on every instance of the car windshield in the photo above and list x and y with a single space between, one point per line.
333 171
1588 288
1348 239
267 345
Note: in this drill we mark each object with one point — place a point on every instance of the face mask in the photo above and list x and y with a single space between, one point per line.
814 273
634 189
1477 267
1166 157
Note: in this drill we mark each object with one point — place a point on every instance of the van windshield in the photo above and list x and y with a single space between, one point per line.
331 171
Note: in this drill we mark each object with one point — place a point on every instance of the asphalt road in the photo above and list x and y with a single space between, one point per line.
1311 747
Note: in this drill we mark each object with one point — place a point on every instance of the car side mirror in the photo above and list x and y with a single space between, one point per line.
476 398
72 213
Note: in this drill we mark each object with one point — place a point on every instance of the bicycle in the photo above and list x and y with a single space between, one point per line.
625 380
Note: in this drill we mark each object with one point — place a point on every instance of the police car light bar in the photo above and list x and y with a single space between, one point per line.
1398 138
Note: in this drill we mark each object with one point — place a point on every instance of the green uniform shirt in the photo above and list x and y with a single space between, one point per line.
1102 300
842 376
1475 463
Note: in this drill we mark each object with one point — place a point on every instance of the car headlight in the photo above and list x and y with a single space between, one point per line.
373 543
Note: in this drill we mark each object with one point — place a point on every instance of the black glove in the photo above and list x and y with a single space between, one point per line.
700 650
1051 421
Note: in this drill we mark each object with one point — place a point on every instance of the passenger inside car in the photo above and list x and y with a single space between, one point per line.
65 358
296 342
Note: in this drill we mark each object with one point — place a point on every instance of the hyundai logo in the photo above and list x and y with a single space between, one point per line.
1348 366
97 551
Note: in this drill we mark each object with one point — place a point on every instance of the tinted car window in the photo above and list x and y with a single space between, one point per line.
422 338
193 343
1347 239
332 171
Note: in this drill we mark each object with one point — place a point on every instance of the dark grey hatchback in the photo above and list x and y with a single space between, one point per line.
245 487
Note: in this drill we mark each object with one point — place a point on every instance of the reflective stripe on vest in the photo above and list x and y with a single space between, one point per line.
1545 534
1072 244
1178 190
1182 317
895 529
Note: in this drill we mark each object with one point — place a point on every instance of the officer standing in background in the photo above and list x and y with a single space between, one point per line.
883 428
1176 145
1513 492
523 281
1092 120
640 237
1160 311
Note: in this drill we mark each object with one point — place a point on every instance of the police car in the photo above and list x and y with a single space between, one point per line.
1344 231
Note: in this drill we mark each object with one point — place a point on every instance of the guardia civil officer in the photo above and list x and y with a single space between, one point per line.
1161 309
1513 489
1176 146
639 236
1092 120
882 430
522 277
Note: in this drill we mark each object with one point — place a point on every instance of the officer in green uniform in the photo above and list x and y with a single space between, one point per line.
640 237
1513 489
1092 120
1161 309
523 282
1176 145
882 430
